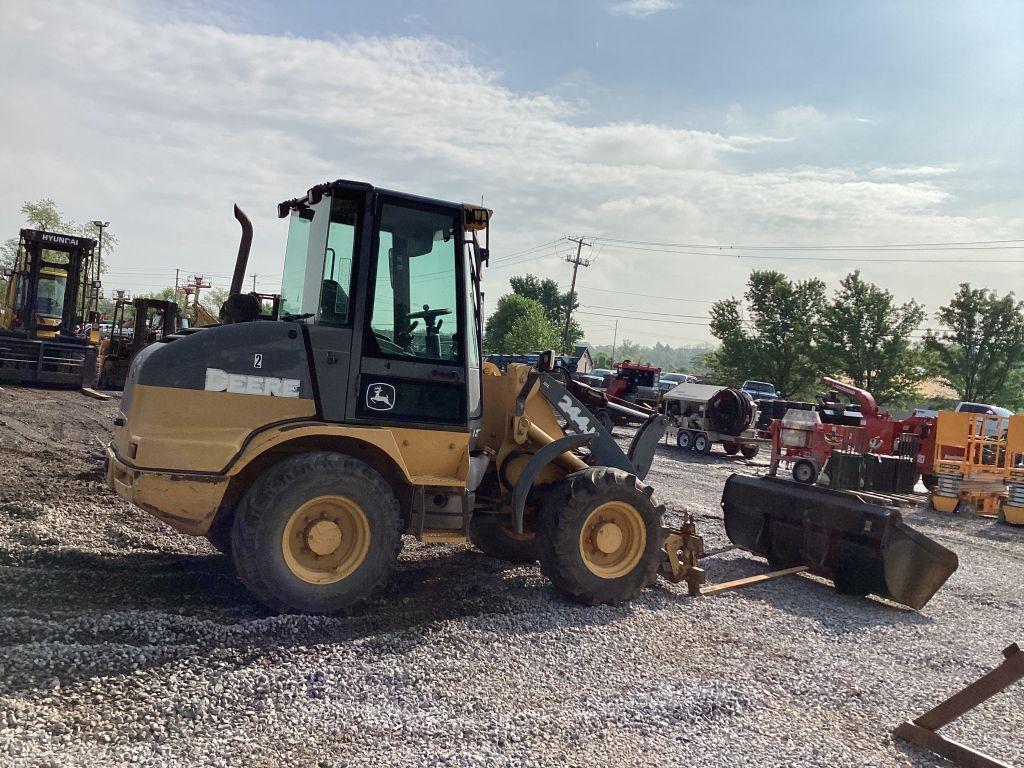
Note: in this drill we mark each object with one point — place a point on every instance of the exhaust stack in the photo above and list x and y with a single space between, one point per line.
244 245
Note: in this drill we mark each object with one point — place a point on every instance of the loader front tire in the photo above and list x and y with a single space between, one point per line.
317 533
600 536
497 539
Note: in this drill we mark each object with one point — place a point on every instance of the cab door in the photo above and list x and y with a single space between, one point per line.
412 369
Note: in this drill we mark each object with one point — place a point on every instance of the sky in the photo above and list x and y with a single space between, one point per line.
687 123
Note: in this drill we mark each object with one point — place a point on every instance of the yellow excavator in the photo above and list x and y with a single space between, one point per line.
307 446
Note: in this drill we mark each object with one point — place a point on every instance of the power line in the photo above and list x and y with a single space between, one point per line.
747 256
954 245
645 295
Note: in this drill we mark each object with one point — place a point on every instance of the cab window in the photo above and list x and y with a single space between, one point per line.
415 288
342 237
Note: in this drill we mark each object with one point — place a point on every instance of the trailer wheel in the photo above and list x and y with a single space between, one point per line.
805 472
495 538
731 449
702 443
684 439
748 451
600 534
605 420
317 533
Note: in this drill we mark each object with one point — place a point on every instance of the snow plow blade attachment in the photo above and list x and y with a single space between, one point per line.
863 548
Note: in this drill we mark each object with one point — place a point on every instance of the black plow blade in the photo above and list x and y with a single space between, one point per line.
863 548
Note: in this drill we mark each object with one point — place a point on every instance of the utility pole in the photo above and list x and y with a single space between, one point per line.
615 338
100 225
254 282
576 262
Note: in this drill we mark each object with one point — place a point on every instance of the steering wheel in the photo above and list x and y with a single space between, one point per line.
428 315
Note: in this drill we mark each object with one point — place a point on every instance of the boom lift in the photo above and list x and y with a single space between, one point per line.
307 446
46 304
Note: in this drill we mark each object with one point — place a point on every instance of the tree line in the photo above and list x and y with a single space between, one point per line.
789 332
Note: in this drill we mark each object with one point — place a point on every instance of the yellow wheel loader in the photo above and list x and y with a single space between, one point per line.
306 446
309 445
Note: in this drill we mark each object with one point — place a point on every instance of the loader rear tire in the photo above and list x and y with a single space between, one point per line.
748 451
496 538
600 536
317 533
731 449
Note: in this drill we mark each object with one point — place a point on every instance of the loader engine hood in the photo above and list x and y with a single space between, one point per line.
191 404
265 359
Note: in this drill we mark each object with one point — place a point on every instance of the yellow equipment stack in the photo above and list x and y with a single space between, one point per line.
978 460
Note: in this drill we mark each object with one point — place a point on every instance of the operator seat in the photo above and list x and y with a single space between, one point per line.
333 303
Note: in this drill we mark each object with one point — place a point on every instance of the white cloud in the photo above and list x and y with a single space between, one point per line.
799 118
640 9
163 123
916 172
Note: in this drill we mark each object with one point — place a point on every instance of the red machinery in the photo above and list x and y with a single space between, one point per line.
806 439
636 383
886 432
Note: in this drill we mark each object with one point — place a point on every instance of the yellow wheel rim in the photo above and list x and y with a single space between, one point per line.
326 539
613 539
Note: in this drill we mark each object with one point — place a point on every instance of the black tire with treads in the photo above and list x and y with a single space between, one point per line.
268 504
562 518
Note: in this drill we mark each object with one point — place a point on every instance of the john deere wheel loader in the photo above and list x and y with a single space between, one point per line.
307 446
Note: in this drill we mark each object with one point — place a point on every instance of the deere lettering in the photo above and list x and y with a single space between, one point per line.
243 384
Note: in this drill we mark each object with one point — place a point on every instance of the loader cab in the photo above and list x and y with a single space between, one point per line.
388 286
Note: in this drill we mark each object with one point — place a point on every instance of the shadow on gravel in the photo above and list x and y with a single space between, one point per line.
110 615
804 596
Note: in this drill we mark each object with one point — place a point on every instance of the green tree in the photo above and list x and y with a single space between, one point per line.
43 214
519 325
214 298
778 342
531 331
164 294
547 293
868 340
983 349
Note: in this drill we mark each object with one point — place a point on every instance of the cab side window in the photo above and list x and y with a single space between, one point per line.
342 239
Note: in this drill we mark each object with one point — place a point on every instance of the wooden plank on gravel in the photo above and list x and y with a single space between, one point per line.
748 581
90 392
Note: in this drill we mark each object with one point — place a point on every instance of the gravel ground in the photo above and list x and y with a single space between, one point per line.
122 642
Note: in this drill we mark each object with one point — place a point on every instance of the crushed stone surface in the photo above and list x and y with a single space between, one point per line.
123 642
